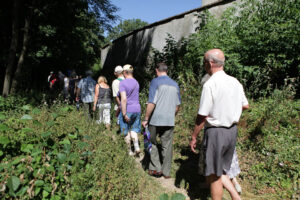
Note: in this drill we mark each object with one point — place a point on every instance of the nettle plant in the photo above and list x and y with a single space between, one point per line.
36 158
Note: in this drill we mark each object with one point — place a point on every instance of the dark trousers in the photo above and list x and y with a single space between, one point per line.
166 137
88 111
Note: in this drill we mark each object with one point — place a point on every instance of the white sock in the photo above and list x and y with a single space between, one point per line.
135 140
128 142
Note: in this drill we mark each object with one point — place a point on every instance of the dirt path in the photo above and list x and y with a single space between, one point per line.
168 184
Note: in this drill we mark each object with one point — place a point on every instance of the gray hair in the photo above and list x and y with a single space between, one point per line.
162 67
214 59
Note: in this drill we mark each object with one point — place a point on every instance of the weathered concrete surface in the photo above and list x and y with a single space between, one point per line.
134 47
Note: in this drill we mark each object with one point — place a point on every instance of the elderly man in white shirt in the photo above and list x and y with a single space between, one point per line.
115 89
221 105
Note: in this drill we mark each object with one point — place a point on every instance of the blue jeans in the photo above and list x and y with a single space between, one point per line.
133 125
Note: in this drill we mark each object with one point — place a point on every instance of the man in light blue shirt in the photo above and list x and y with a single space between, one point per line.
163 105
86 88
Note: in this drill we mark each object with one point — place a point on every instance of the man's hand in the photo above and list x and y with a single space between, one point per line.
145 123
193 144
199 124
94 108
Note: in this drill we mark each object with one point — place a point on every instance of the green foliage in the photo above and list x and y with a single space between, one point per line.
53 153
11 103
260 41
63 35
124 27
268 145
272 131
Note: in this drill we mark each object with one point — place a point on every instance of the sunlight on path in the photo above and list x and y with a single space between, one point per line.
168 184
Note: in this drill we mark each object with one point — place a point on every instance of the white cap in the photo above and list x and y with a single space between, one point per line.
118 69
128 67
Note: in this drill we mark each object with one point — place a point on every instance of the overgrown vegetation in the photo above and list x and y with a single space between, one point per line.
260 41
53 153
267 146
258 38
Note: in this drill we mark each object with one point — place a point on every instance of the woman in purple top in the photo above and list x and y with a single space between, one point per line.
130 117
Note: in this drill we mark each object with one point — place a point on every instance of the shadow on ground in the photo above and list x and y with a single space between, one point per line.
187 176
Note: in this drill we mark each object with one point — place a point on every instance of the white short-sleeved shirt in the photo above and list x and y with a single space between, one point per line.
222 100
115 88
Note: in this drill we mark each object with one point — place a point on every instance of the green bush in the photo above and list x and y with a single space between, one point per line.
53 153
267 145
260 41
272 131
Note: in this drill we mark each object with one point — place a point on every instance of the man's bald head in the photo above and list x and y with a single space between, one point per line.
215 56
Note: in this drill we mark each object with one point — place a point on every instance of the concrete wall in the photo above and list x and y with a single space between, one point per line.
134 47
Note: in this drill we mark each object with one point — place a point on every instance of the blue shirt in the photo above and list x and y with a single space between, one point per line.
165 94
87 89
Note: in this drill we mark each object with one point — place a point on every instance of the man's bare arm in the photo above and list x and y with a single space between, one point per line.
177 109
199 124
149 110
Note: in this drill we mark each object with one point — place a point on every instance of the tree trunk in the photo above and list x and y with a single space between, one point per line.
13 49
17 75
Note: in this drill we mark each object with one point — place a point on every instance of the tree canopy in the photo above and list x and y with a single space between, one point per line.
125 27
40 36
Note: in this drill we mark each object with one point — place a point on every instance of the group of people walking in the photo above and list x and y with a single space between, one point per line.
163 104
221 104
65 84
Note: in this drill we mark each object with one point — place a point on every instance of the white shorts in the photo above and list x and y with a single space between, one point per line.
104 113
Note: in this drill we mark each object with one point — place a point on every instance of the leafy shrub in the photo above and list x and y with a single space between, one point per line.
260 41
55 154
267 146
11 103
36 157
272 131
